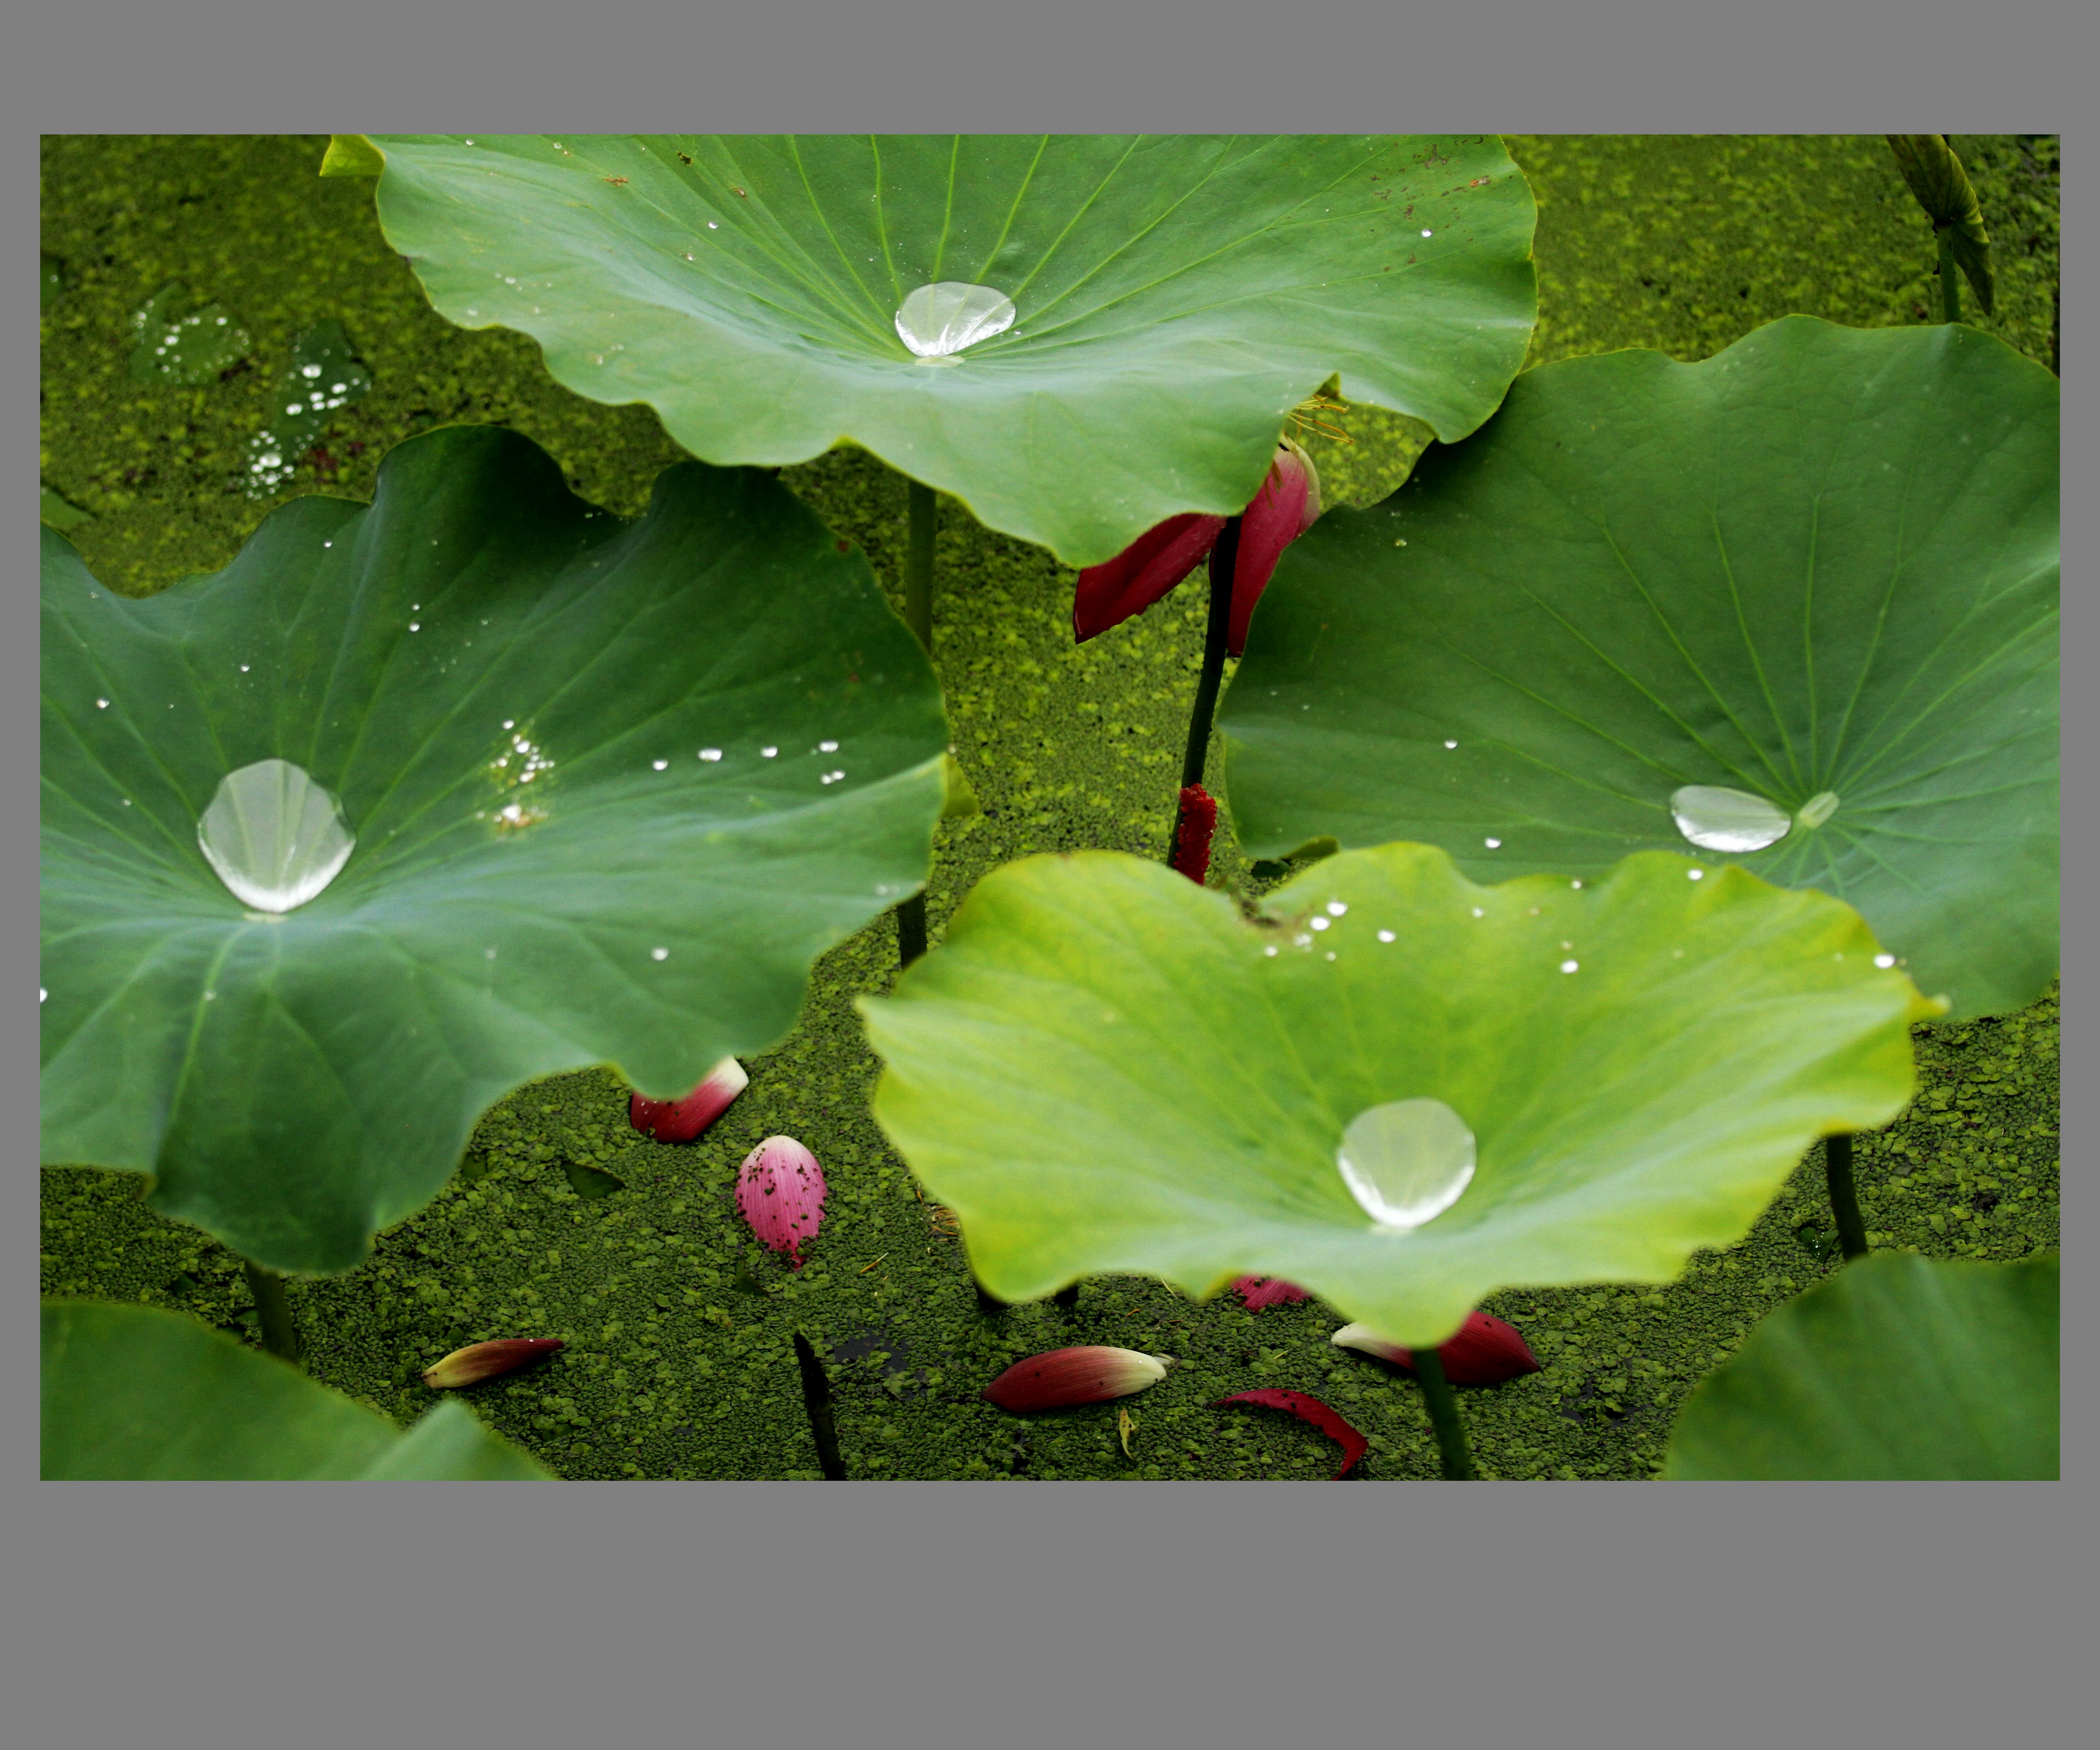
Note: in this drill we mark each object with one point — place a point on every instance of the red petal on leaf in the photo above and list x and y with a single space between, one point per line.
1143 572
1061 1378
479 1361
680 1121
1307 1407
1287 504
1268 1291
1485 1352
1192 843
780 1190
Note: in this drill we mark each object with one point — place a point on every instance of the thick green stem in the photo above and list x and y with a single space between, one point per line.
1950 278
817 1400
919 616
1444 1416
1224 553
1844 1195
281 1337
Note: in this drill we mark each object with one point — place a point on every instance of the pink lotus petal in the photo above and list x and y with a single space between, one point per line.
1059 1378
485 1360
1268 1291
680 1121
1307 1407
1143 572
780 1190
1287 504
1485 1352
1192 843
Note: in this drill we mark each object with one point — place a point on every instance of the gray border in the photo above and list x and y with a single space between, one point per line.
755 1614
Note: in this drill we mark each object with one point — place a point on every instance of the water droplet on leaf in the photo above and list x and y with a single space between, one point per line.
1407 1162
1718 819
939 320
275 836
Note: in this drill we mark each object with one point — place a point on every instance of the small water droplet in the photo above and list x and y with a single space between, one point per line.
1885 961
1718 819
767 753
938 321
102 704
42 992
488 953
1270 949
661 764
1479 911
1492 844
1575 884
1428 234
1571 966
275 836
510 723
1387 936
828 747
659 954
414 627
1450 744
1336 908
243 668
1407 1162
1321 923
1695 875
711 754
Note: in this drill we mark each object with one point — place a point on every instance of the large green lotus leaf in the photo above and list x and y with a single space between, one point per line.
1896 1367
515 696
1106 1068
1174 297
1823 563
134 1392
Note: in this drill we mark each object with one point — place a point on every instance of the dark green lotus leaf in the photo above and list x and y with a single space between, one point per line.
1819 568
1105 1069
614 786
1174 297
1896 1367
134 1392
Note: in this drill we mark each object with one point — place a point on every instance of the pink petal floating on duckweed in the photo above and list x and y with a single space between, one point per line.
1307 1407
1485 1352
780 1189
479 1361
1059 1378
680 1121
1268 1291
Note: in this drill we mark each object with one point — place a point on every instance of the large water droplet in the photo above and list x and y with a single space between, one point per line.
276 837
1407 1162
1715 819
941 319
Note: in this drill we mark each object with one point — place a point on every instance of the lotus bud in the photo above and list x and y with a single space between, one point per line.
1192 837
1485 1352
780 1189
1062 1377
479 1361
680 1121
1270 1291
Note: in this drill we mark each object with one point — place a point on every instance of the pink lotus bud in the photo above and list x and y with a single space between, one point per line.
1268 1291
780 1189
1090 1374
1307 1407
479 1361
1287 504
1192 842
680 1121
1485 1352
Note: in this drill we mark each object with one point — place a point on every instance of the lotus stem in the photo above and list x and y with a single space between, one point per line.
919 616
1224 554
1844 1195
1444 1416
1950 277
273 1307
817 1400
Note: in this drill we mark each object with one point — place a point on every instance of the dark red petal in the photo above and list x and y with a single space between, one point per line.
1192 843
1486 1351
680 1121
1286 507
1268 1291
1307 1407
1143 572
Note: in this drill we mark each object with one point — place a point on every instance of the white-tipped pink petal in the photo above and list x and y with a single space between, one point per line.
680 1121
780 1190
1092 1373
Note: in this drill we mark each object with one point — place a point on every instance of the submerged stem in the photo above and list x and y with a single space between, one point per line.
1950 278
817 1400
273 1307
1844 1195
1443 1415
919 616
1224 552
